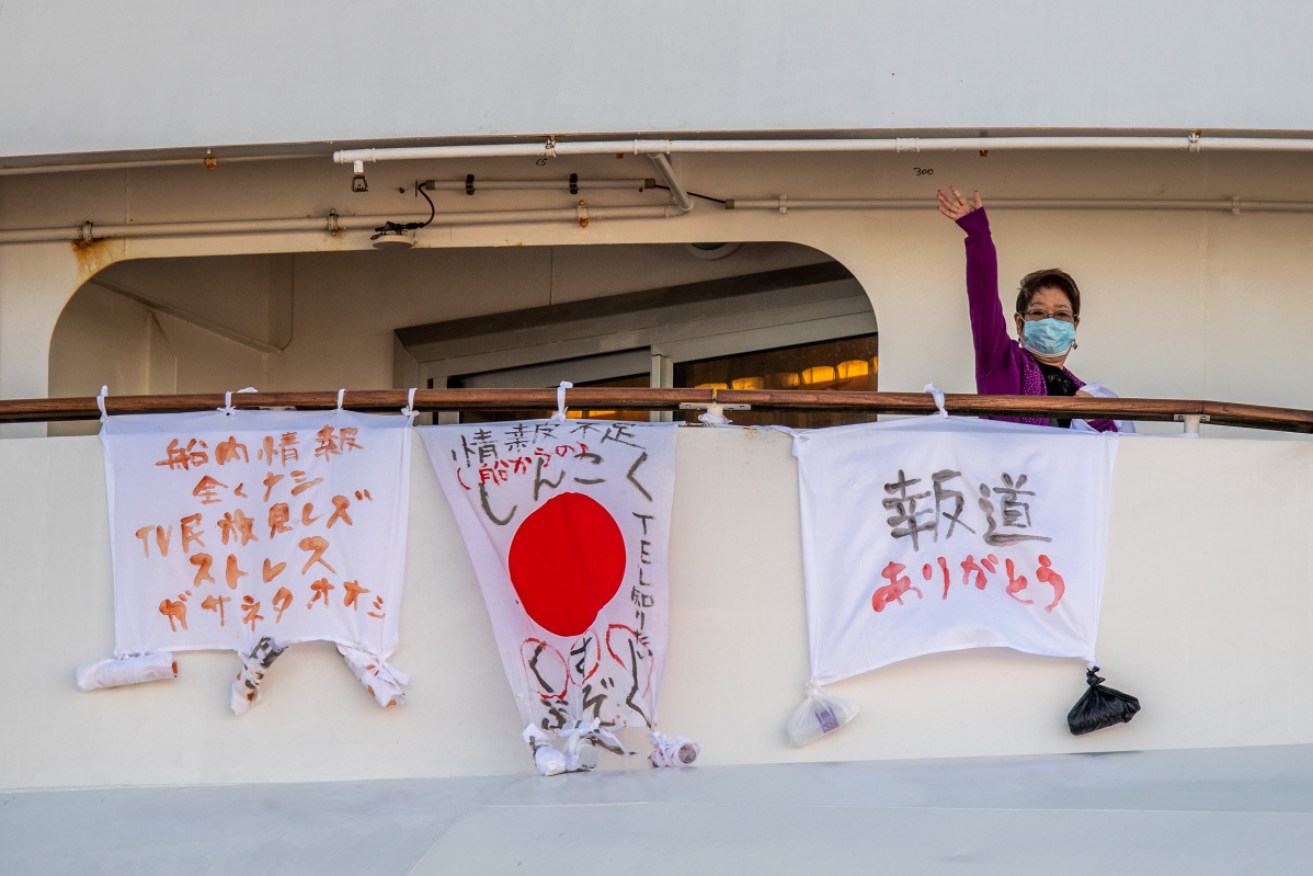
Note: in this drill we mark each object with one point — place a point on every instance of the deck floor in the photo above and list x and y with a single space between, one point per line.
1193 811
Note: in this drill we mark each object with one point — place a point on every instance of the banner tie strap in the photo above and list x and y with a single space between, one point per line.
228 400
938 395
560 399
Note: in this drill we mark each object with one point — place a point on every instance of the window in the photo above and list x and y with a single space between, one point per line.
799 327
844 364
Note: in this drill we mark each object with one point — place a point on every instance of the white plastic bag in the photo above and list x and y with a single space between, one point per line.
383 680
820 713
246 686
158 666
672 751
546 759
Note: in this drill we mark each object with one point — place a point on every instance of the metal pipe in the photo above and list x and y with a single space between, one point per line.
1191 142
784 204
667 173
479 185
535 149
638 146
333 222
325 223
206 162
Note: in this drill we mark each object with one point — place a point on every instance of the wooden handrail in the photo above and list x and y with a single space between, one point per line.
388 400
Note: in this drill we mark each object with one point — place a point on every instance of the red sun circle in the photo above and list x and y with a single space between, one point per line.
566 562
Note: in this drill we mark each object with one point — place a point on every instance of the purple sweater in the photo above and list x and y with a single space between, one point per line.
1003 366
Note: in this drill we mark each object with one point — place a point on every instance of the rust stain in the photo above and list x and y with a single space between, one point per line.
92 255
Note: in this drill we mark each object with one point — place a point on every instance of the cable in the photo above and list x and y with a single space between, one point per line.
391 227
720 201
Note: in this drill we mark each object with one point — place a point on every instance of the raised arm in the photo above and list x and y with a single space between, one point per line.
996 370
957 206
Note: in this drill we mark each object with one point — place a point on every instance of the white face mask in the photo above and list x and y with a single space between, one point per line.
1048 337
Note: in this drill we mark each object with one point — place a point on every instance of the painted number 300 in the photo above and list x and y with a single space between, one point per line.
924 171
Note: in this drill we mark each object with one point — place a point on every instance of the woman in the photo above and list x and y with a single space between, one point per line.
1048 314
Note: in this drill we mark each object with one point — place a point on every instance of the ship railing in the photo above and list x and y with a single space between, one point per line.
1188 412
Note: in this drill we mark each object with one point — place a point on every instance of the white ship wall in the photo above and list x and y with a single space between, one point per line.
149 74
1206 612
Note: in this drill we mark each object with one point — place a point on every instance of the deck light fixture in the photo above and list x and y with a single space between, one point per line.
358 181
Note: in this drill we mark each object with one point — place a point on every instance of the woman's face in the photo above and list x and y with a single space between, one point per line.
1047 302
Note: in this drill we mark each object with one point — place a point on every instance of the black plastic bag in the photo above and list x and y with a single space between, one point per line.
1100 707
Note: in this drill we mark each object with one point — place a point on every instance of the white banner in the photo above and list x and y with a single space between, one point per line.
939 534
229 528
567 522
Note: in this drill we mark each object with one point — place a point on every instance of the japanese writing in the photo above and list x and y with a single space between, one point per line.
1004 505
979 572
574 505
926 511
260 538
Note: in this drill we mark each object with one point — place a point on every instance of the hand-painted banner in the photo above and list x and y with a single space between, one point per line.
938 534
567 522
231 528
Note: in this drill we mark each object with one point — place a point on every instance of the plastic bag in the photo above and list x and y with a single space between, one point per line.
546 759
158 666
1100 707
821 713
246 687
383 681
671 751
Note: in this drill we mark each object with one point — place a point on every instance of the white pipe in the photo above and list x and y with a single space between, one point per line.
459 185
571 214
784 204
667 173
535 149
1185 143
198 161
327 224
538 149
357 223
1256 144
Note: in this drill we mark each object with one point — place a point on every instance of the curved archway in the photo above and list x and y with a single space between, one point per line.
360 318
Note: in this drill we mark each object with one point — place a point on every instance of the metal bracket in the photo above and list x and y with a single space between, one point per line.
715 411
712 407
1191 421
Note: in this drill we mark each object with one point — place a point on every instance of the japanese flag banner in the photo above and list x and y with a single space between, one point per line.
253 530
939 534
567 523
